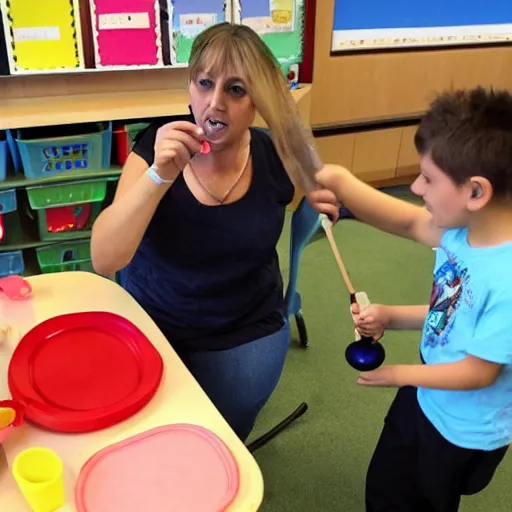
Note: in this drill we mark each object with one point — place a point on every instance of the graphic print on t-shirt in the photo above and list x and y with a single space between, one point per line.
447 290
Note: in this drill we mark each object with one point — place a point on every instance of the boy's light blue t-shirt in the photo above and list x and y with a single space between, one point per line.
470 313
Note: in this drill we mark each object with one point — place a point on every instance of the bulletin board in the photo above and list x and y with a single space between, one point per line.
188 18
374 24
127 33
42 35
280 23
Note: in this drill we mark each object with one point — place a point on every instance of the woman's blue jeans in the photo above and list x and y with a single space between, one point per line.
239 381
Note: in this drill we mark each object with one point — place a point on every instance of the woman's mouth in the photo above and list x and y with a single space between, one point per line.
214 127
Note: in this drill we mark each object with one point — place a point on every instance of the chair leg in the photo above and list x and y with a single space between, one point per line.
301 327
265 438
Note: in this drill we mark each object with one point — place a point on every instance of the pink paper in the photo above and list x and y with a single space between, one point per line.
127 32
171 468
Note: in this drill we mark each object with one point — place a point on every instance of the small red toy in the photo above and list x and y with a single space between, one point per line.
205 147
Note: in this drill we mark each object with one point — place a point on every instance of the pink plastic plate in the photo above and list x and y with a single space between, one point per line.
183 468
15 287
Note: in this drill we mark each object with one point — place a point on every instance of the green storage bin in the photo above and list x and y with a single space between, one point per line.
62 205
68 256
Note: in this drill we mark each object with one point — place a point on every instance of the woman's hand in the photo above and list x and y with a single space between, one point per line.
372 321
175 145
324 201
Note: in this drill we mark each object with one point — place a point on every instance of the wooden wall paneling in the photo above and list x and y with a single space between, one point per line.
376 154
337 149
355 86
408 158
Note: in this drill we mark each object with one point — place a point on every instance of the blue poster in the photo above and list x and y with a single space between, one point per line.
372 24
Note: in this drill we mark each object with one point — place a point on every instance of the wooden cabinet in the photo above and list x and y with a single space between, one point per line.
337 149
375 156
408 158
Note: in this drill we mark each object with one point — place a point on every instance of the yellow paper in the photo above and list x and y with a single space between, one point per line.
281 11
44 34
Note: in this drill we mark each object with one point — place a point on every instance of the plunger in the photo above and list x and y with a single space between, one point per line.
364 354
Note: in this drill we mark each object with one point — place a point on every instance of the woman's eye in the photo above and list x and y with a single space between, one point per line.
205 83
237 90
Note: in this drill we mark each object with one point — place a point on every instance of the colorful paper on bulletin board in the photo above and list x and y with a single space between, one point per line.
279 23
190 18
44 34
127 32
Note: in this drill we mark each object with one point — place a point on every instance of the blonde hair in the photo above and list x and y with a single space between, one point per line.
242 51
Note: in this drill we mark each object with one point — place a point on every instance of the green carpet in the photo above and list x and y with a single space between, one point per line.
319 463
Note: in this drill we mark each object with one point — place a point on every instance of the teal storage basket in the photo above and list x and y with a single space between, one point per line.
4 153
14 152
11 263
8 201
89 148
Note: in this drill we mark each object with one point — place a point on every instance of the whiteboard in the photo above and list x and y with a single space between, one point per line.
376 24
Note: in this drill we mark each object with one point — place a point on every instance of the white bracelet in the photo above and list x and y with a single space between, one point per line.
152 172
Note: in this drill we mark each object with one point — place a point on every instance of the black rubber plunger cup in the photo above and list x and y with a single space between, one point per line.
365 354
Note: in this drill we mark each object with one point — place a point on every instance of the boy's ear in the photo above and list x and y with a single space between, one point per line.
481 193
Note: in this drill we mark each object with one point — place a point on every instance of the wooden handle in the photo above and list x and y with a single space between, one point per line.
337 256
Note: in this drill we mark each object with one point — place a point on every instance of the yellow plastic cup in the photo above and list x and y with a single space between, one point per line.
39 475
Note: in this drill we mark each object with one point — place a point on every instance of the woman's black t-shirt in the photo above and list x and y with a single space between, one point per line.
209 276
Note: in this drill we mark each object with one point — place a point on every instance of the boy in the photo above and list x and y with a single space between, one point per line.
451 421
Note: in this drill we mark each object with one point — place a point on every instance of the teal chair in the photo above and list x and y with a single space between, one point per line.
305 223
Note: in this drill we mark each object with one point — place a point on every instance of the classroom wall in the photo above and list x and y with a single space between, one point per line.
372 88
378 156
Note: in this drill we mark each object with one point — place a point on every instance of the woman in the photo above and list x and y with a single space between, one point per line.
198 232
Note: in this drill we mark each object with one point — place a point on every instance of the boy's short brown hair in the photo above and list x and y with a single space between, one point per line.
468 133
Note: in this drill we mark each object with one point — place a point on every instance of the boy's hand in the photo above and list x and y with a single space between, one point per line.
324 201
372 321
384 377
330 175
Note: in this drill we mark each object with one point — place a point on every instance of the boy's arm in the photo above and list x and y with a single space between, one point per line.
488 350
378 209
406 318
469 373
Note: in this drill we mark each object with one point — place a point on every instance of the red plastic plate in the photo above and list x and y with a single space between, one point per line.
84 371
175 467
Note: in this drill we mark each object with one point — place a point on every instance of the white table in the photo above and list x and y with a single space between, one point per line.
178 400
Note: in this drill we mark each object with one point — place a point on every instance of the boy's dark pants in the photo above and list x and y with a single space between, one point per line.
415 469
